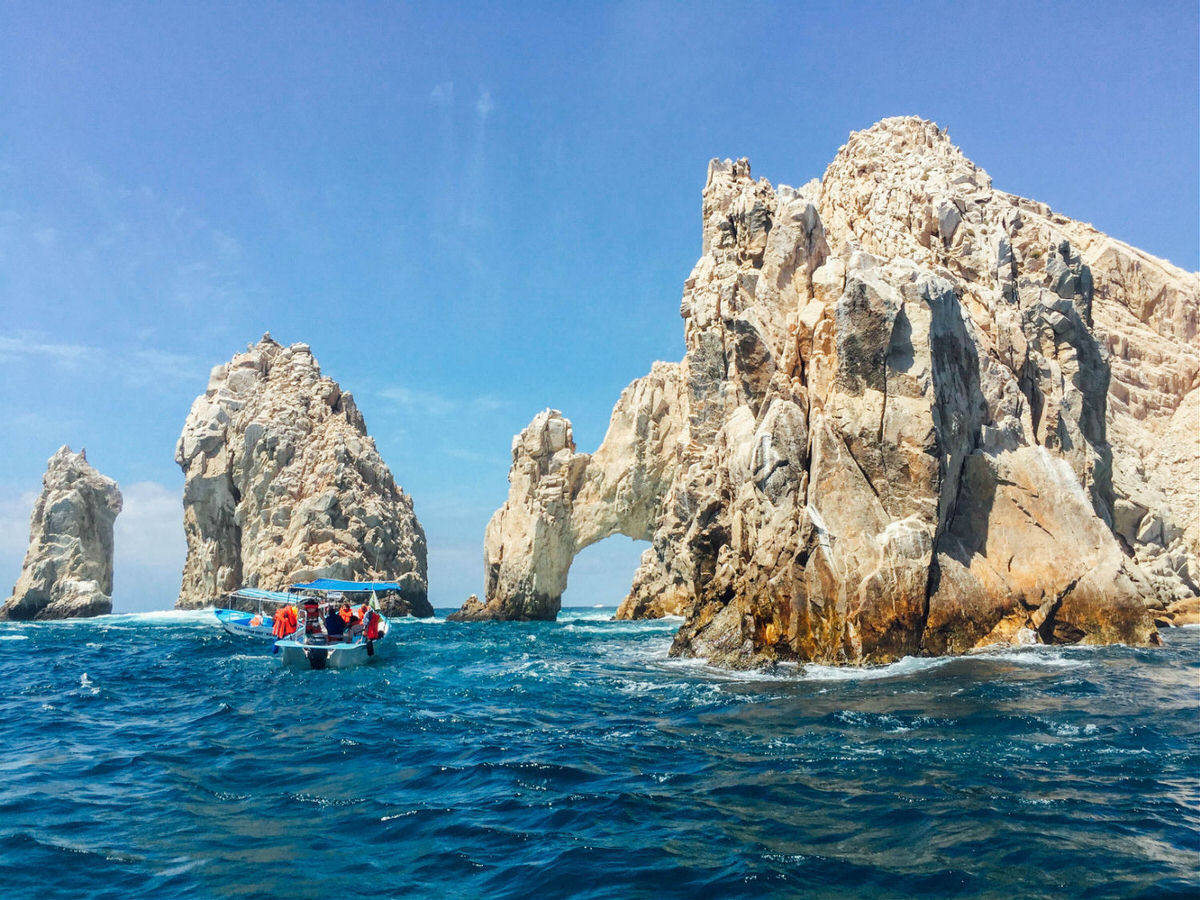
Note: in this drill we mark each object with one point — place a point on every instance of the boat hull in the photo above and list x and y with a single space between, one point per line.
243 624
319 655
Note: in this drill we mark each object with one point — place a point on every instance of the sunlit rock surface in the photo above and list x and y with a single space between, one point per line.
283 484
916 415
68 569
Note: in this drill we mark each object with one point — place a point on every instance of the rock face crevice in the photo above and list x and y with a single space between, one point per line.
68 569
283 484
913 417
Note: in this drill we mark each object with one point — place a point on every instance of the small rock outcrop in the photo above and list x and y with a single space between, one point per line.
916 415
68 570
282 484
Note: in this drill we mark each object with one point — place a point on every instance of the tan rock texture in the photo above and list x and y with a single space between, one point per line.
914 416
68 569
283 484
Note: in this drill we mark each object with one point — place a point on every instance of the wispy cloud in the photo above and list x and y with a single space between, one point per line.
97 243
434 404
139 367
461 203
484 104
28 346
14 537
419 401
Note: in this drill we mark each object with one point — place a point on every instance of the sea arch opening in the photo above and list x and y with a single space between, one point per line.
601 573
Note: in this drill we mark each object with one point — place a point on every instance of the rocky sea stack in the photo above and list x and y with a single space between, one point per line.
916 415
68 569
283 484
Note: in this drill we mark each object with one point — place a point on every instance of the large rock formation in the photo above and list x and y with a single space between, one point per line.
283 484
915 415
68 569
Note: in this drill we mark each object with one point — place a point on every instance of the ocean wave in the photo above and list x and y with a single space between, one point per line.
155 617
511 744
908 665
1042 655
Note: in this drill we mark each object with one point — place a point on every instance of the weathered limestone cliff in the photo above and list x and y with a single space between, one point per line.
283 484
68 569
916 415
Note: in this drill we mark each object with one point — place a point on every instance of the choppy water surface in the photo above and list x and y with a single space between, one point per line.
154 756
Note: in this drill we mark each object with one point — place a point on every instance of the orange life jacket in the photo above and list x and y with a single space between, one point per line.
346 615
372 619
285 621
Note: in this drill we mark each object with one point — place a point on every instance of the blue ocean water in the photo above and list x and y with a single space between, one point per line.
154 756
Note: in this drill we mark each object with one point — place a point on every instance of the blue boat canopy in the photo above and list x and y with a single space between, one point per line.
330 584
259 594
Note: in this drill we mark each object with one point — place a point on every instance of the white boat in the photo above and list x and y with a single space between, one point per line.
319 642
251 612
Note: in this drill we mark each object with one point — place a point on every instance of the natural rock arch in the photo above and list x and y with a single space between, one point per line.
561 501
909 420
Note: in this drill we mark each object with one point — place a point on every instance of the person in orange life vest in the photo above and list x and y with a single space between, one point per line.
370 623
285 621
345 612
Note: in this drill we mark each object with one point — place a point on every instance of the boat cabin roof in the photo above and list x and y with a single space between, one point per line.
331 584
260 594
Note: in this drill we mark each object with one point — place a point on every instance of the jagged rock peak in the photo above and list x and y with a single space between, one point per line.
283 484
68 569
910 420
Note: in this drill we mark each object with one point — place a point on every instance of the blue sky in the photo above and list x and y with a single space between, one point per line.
475 211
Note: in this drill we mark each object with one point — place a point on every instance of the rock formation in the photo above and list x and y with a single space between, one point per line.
283 484
68 569
916 415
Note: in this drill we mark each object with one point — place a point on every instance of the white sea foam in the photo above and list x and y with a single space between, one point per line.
908 665
156 617
728 676
1039 655
14 637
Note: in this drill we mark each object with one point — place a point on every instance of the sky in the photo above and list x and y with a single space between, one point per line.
474 211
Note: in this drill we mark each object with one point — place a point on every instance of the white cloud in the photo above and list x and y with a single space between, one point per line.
442 93
433 404
28 345
150 366
154 365
419 401
484 105
148 547
14 537
149 530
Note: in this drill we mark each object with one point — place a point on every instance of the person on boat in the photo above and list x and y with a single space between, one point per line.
345 612
370 620
312 616
335 626
285 621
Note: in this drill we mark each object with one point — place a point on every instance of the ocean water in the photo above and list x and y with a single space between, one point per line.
154 756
